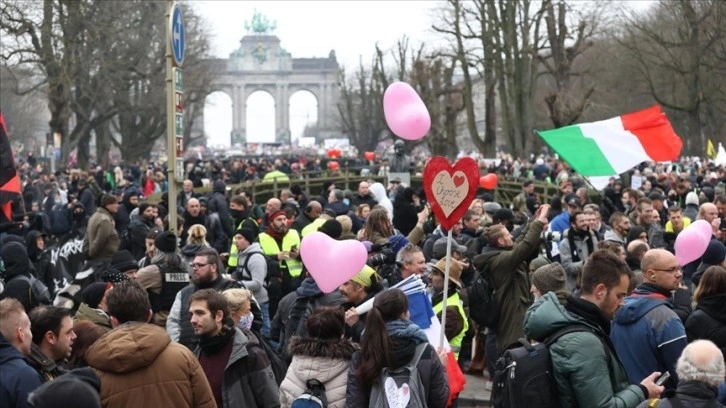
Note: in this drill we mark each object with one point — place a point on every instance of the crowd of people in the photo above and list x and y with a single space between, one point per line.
222 311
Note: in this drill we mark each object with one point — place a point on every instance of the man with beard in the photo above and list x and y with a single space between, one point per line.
193 215
457 322
620 224
282 244
53 338
236 366
358 290
507 262
206 274
577 244
123 216
140 226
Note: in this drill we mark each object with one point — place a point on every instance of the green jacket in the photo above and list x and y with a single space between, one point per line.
502 264
580 364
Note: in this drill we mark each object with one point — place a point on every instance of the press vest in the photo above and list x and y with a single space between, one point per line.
233 256
454 300
270 248
172 281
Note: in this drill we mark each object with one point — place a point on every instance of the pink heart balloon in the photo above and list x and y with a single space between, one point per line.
405 112
691 244
332 262
704 227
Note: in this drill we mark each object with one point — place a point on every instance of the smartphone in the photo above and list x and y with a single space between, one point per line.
293 248
663 378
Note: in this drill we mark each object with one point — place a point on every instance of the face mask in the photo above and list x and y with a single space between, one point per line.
236 214
245 322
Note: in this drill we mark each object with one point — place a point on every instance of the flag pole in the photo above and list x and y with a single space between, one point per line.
445 296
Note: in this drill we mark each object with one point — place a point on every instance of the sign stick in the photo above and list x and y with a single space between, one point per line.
446 290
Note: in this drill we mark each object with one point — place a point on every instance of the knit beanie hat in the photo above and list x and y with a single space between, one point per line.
538 262
166 242
123 261
549 278
248 233
331 228
108 199
93 294
715 253
79 388
277 214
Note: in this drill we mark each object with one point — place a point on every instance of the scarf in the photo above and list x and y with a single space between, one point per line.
571 238
274 234
212 344
405 329
647 289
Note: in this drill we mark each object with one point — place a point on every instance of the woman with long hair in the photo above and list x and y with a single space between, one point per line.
378 227
323 354
708 321
196 241
391 341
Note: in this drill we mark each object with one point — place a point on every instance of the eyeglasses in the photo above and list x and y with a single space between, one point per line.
198 265
669 270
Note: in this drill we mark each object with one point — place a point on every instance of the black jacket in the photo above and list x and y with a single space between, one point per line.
690 394
16 260
708 321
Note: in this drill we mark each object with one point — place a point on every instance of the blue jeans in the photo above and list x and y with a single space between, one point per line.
265 309
491 348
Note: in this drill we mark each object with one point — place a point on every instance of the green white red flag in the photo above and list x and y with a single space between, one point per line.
614 146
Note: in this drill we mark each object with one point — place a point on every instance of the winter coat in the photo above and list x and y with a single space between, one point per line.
17 378
101 240
248 380
708 321
690 394
139 366
432 372
15 258
41 261
218 204
95 316
324 360
138 229
86 197
574 268
405 213
501 265
582 373
254 275
560 223
648 335
123 215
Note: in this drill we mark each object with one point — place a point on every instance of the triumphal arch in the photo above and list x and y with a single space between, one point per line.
261 64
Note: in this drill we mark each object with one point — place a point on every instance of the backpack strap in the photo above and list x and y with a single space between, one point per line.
247 261
416 357
573 328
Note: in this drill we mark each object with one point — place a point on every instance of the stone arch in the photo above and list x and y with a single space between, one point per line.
260 110
304 111
219 126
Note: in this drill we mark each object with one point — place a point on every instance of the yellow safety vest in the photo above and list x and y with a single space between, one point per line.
270 248
232 261
313 226
454 300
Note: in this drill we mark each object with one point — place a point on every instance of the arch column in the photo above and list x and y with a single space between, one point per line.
239 98
282 113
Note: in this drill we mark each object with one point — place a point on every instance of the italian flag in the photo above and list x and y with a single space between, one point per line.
614 146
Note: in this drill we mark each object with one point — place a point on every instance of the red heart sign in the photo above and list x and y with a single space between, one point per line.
450 190
370 156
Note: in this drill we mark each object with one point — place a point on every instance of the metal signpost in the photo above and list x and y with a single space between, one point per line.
175 45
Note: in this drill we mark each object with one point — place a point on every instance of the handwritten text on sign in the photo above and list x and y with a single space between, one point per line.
449 190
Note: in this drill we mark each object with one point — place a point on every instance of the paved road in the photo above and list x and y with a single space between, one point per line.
475 393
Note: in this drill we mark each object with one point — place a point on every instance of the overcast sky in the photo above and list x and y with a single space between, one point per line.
311 29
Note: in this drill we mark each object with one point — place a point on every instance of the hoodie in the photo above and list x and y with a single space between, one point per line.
17 378
648 335
16 260
254 275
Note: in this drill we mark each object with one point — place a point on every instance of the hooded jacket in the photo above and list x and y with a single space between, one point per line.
95 316
324 360
15 258
41 261
502 264
123 215
248 380
140 366
582 373
648 335
708 321
17 378
255 274
218 203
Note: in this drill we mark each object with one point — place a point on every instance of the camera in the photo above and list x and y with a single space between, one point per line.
385 256
551 236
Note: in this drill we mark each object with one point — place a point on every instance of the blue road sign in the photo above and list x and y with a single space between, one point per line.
176 25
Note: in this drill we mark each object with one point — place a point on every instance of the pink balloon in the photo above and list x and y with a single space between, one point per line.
406 114
332 262
704 227
691 244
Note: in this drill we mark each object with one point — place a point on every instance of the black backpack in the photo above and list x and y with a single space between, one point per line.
313 397
273 269
483 306
277 363
295 325
523 376
39 293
